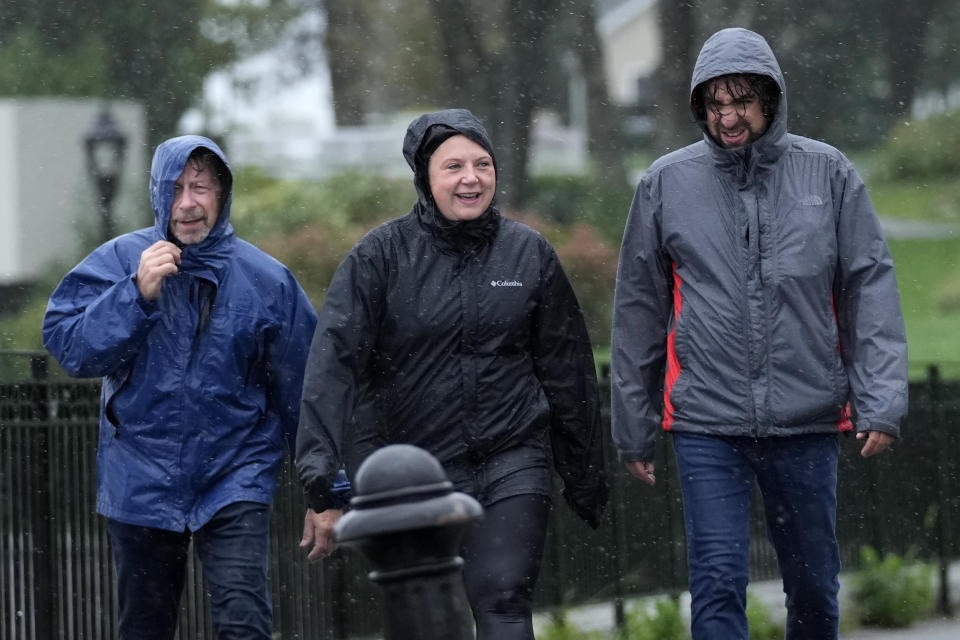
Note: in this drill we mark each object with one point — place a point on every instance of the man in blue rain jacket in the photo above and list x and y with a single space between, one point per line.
201 340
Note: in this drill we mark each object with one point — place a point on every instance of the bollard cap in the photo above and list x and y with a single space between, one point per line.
400 488
398 473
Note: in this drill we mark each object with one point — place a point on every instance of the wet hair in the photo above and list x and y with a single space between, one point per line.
203 158
764 87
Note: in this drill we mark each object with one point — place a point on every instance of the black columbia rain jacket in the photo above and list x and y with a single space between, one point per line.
463 339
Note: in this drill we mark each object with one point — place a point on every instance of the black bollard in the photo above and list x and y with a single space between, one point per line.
408 521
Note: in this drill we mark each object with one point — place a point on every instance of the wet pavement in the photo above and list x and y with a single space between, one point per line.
898 229
600 617
942 629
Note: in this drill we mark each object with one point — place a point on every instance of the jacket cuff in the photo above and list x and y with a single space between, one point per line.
867 424
336 497
636 455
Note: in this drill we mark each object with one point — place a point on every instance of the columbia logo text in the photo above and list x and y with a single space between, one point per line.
506 283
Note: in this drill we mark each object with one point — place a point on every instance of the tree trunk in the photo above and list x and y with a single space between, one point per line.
497 81
604 135
348 51
525 57
904 29
678 37
467 63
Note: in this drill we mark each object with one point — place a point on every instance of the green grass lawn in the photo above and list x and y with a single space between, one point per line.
928 274
935 200
928 270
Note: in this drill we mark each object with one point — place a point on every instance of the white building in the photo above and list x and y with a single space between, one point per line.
48 209
631 47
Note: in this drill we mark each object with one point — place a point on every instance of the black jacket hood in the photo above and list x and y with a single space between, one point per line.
462 236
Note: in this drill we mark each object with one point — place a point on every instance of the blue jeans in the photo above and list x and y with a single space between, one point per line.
233 550
797 477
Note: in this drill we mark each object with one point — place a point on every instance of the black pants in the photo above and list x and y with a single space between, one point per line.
502 555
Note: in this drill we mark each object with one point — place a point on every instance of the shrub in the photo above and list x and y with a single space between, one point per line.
948 295
761 622
560 629
892 591
570 199
265 207
311 226
927 148
663 622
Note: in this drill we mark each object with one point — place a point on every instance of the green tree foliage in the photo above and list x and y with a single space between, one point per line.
848 81
921 150
383 57
155 52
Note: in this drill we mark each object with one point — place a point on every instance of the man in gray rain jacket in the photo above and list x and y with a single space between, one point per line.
755 296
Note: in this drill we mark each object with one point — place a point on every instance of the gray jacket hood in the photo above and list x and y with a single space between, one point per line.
737 50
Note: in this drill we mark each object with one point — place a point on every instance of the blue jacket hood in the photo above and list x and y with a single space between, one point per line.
168 162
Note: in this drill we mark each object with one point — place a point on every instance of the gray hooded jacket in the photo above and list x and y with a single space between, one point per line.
755 293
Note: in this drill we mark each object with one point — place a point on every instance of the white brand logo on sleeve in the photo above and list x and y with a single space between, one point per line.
506 283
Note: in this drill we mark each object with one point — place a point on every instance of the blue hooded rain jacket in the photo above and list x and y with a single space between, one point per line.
201 387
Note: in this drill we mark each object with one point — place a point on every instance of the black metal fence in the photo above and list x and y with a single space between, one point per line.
56 572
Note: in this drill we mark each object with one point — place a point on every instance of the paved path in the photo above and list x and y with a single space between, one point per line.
600 617
898 229
944 629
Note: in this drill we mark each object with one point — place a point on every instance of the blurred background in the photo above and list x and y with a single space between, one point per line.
310 100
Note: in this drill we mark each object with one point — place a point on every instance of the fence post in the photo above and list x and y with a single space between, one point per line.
944 525
408 522
617 516
39 506
39 366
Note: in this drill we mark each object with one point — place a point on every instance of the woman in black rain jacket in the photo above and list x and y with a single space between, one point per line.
455 329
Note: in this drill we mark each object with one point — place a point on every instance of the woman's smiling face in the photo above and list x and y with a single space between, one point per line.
462 177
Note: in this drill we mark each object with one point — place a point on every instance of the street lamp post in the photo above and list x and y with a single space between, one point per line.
105 146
